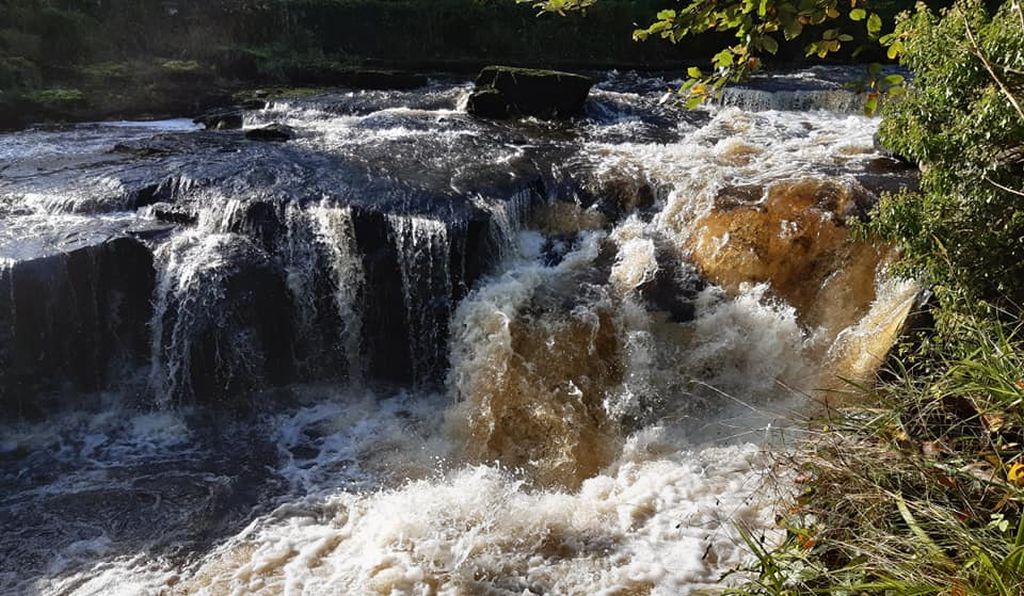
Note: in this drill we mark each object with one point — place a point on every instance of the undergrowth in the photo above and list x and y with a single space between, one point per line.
915 486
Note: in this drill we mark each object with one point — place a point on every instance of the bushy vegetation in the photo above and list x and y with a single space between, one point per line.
963 121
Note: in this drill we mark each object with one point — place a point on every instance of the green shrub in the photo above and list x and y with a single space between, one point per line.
107 72
181 66
964 230
59 99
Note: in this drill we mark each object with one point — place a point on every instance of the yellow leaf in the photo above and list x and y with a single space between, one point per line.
1016 474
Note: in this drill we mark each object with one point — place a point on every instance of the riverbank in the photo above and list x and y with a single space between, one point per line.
126 59
171 59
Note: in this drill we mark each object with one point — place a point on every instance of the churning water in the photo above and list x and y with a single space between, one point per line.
410 352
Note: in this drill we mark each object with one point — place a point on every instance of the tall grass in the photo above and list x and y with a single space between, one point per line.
915 487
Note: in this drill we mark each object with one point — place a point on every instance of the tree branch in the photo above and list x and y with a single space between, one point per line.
976 50
1004 188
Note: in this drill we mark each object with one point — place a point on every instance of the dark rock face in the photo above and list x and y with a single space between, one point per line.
73 321
382 79
503 91
278 133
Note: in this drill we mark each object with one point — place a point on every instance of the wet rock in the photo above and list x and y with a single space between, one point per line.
275 132
140 151
224 338
674 287
487 103
914 331
385 336
226 119
446 216
174 215
506 91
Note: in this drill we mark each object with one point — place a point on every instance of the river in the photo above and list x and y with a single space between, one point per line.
413 352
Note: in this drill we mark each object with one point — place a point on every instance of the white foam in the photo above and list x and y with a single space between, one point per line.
661 519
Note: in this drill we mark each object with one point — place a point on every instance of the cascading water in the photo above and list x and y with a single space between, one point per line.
424 257
413 352
320 246
192 319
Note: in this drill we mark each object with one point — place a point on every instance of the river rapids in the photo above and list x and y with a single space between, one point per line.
413 352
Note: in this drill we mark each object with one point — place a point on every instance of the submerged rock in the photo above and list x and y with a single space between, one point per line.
226 119
503 91
272 132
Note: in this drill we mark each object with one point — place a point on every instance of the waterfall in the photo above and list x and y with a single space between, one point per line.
410 351
335 235
507 218
196 316
319 252
758 100
424 256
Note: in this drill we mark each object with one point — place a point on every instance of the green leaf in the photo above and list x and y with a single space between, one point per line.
893 80
874 25
793 30
694 102
770 45
871 105
763 8
858 14
694 73
894 50
666 15
723 59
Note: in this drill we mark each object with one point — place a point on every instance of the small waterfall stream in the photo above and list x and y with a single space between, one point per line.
424 258
414 352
